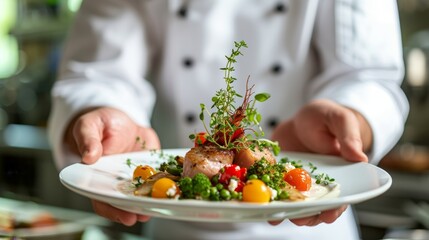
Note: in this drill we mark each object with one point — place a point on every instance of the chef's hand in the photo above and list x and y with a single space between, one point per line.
325 127
103 131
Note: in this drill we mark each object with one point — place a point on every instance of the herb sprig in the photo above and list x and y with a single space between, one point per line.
228 123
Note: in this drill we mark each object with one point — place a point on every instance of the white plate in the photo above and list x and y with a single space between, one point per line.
358 182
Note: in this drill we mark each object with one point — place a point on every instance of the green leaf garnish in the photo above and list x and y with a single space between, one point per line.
262 97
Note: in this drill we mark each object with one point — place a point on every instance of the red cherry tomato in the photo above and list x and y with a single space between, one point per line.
200 139
299 178
233 171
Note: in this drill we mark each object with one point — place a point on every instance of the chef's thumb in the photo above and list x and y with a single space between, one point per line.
88 141
350 141
349 135
351 149
91 151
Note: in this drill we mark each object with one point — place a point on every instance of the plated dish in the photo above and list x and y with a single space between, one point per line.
29 220
101 181
231 174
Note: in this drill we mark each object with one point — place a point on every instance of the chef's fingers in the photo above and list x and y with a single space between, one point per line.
311 126
87 132
286 135
328 216
117 215
331 215
143 218
275 223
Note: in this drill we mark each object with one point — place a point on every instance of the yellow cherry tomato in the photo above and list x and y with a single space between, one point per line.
164 188
144 172
256 191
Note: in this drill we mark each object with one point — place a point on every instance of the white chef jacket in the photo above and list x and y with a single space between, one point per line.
127 53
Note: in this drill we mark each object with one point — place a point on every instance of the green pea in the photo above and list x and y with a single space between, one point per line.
266 178
205 194
225 194
253 176
234 195
283 195
214 194
240 196
219 186
215 179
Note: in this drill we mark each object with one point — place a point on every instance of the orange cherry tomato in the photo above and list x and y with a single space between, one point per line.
299 178
256 191
164 188
200 139
144 172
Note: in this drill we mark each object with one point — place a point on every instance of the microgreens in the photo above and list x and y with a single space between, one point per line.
295 163
324 179
313 168
129 163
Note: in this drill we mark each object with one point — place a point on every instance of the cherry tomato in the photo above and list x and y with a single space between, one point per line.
200 139
299 178
256 191
164 188
144 172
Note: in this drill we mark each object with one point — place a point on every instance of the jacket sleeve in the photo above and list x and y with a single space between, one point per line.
360 51
104 63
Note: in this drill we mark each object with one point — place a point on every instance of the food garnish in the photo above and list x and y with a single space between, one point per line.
228 123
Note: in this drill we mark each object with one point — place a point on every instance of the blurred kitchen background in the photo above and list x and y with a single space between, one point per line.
31 35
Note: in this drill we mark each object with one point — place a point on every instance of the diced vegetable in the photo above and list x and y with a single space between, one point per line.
233 171
200 139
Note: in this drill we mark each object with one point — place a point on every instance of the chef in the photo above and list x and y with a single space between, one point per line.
142 67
